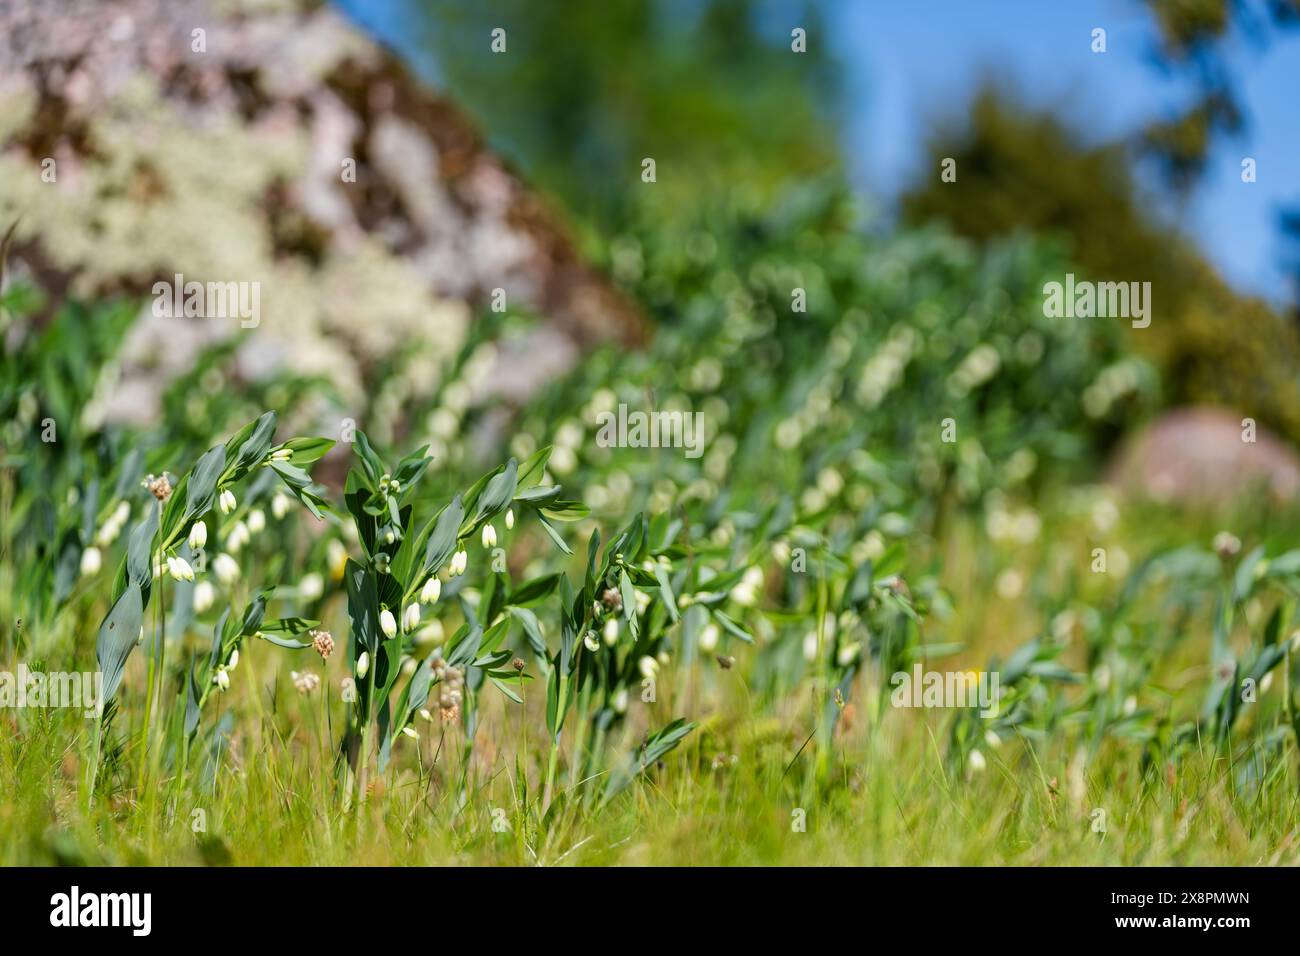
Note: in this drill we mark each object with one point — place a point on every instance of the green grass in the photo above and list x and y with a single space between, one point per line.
890 793
891 801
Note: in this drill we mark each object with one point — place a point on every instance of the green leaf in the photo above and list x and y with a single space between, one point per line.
299 484
555 535
139 551
533 468
288 625
286 642
535 590
628 595
254 613
363 606
1285 564
254 449
442 541
506 690
304 451
191 703
497 495
655 747
732 628
532 629
534 495
464 644
201 490
666 590
566 510
118 634
371 462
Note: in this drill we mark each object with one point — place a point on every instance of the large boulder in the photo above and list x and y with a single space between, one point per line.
1205 455
271 142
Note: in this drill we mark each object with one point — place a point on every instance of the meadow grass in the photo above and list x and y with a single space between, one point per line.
741 790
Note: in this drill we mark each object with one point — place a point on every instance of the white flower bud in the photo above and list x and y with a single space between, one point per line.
204 595
91 561
225 568
709 638
648 666
107 533
611 631
180 569
337 556
280 506
430 635
221 679
226 502
976 762
411 732
411 619
459 562
620 701
510 518
256 520
234 660
591 641
431 591
237 537
198 536
311 586
489 536
425 715
387 623
363 662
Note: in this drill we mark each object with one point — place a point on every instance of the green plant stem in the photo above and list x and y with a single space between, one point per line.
580 736
551 766
366 731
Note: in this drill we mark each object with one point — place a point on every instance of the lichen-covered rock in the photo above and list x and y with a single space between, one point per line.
272 144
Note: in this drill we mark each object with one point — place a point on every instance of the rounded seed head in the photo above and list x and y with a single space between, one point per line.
323 643
160 487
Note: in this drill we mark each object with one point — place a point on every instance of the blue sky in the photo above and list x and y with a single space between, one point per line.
912 61
908 62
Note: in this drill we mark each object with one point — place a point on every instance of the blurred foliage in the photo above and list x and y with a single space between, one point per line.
1193 34
709 88
825 359
1024 171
